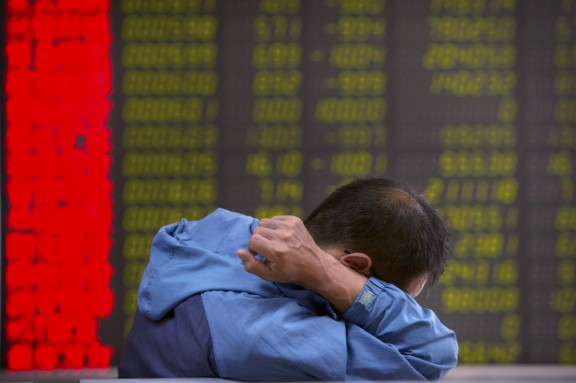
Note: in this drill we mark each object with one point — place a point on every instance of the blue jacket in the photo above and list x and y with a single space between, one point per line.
202 315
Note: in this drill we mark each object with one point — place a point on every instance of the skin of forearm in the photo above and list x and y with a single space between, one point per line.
338 284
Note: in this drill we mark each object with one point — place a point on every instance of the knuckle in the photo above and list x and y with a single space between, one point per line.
285 235
281 250
294 223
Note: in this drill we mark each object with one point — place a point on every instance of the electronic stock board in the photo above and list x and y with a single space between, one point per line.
264 107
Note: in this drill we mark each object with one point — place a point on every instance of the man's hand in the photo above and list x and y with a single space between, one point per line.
290 252
292 256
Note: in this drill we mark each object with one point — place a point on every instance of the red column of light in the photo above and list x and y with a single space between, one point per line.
59 214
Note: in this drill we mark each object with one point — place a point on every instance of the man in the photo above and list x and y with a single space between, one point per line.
327 299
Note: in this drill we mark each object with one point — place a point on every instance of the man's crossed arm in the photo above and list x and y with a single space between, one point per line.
405 340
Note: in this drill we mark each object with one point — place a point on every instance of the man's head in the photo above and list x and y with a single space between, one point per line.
394 226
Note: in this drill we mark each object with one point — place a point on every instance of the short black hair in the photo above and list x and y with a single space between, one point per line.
388 221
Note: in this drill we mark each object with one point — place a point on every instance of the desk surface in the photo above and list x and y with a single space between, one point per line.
461 374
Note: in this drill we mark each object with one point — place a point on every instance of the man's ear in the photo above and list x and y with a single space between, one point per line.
357 261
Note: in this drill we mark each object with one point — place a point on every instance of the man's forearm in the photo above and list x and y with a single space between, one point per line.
337 283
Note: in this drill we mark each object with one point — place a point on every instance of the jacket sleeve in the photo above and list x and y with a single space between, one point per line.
390 334
273 339
385 335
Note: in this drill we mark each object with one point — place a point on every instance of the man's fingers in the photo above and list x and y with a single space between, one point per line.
285 217
265 232
279 231
269 223
252 265
270 245
279 221
247 257
258 243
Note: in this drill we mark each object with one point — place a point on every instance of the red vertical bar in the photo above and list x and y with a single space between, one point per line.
59 213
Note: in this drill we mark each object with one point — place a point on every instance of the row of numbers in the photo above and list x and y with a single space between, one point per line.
169 83
472 56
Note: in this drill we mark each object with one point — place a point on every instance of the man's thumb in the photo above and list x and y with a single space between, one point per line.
252 265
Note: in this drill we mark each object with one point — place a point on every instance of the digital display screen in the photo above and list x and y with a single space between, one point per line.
124 116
